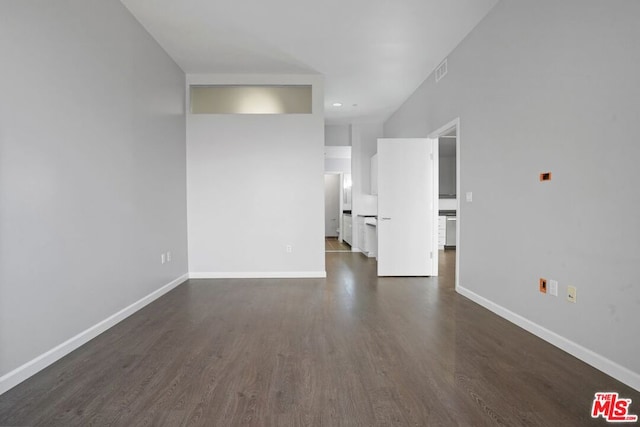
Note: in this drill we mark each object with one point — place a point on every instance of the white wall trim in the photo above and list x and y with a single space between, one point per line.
259 275
609 367
21 373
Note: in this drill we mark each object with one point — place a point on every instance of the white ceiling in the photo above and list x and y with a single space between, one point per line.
373 53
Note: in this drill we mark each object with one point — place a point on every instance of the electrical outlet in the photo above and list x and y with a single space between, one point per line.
289 249
572 294
162 259
543 285
469 196
553 287
169 256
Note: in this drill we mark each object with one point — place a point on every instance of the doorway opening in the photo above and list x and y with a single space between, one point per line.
333 207
449 198
337 198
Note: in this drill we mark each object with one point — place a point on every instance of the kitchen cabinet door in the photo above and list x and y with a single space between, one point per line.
348 229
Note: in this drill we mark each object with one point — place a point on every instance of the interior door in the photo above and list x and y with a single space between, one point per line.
331 204
407 207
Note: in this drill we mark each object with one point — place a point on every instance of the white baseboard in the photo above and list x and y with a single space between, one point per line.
609 367
260 275
34 366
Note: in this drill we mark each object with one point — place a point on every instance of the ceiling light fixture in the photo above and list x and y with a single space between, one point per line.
337 104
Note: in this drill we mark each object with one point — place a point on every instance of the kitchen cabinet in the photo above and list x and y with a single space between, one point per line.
442 231
371 237
347 222
451 232
367 235
360 232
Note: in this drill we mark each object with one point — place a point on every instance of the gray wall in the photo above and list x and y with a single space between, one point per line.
337 135
337 165
447 173
255 185
549 86
92 170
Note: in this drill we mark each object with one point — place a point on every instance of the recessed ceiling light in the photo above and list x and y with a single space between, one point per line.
337 104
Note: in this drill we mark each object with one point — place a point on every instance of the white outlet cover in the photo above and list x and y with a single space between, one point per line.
553 287
469 196
169 256
162 258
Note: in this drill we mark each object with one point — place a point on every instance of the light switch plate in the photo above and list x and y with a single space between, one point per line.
469 196
553 287
571 294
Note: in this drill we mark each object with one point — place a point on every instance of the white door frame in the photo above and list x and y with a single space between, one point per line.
436 134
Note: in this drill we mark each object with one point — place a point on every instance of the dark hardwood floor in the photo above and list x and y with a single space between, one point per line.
351 350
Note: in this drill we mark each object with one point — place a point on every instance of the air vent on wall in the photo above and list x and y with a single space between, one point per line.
441 71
